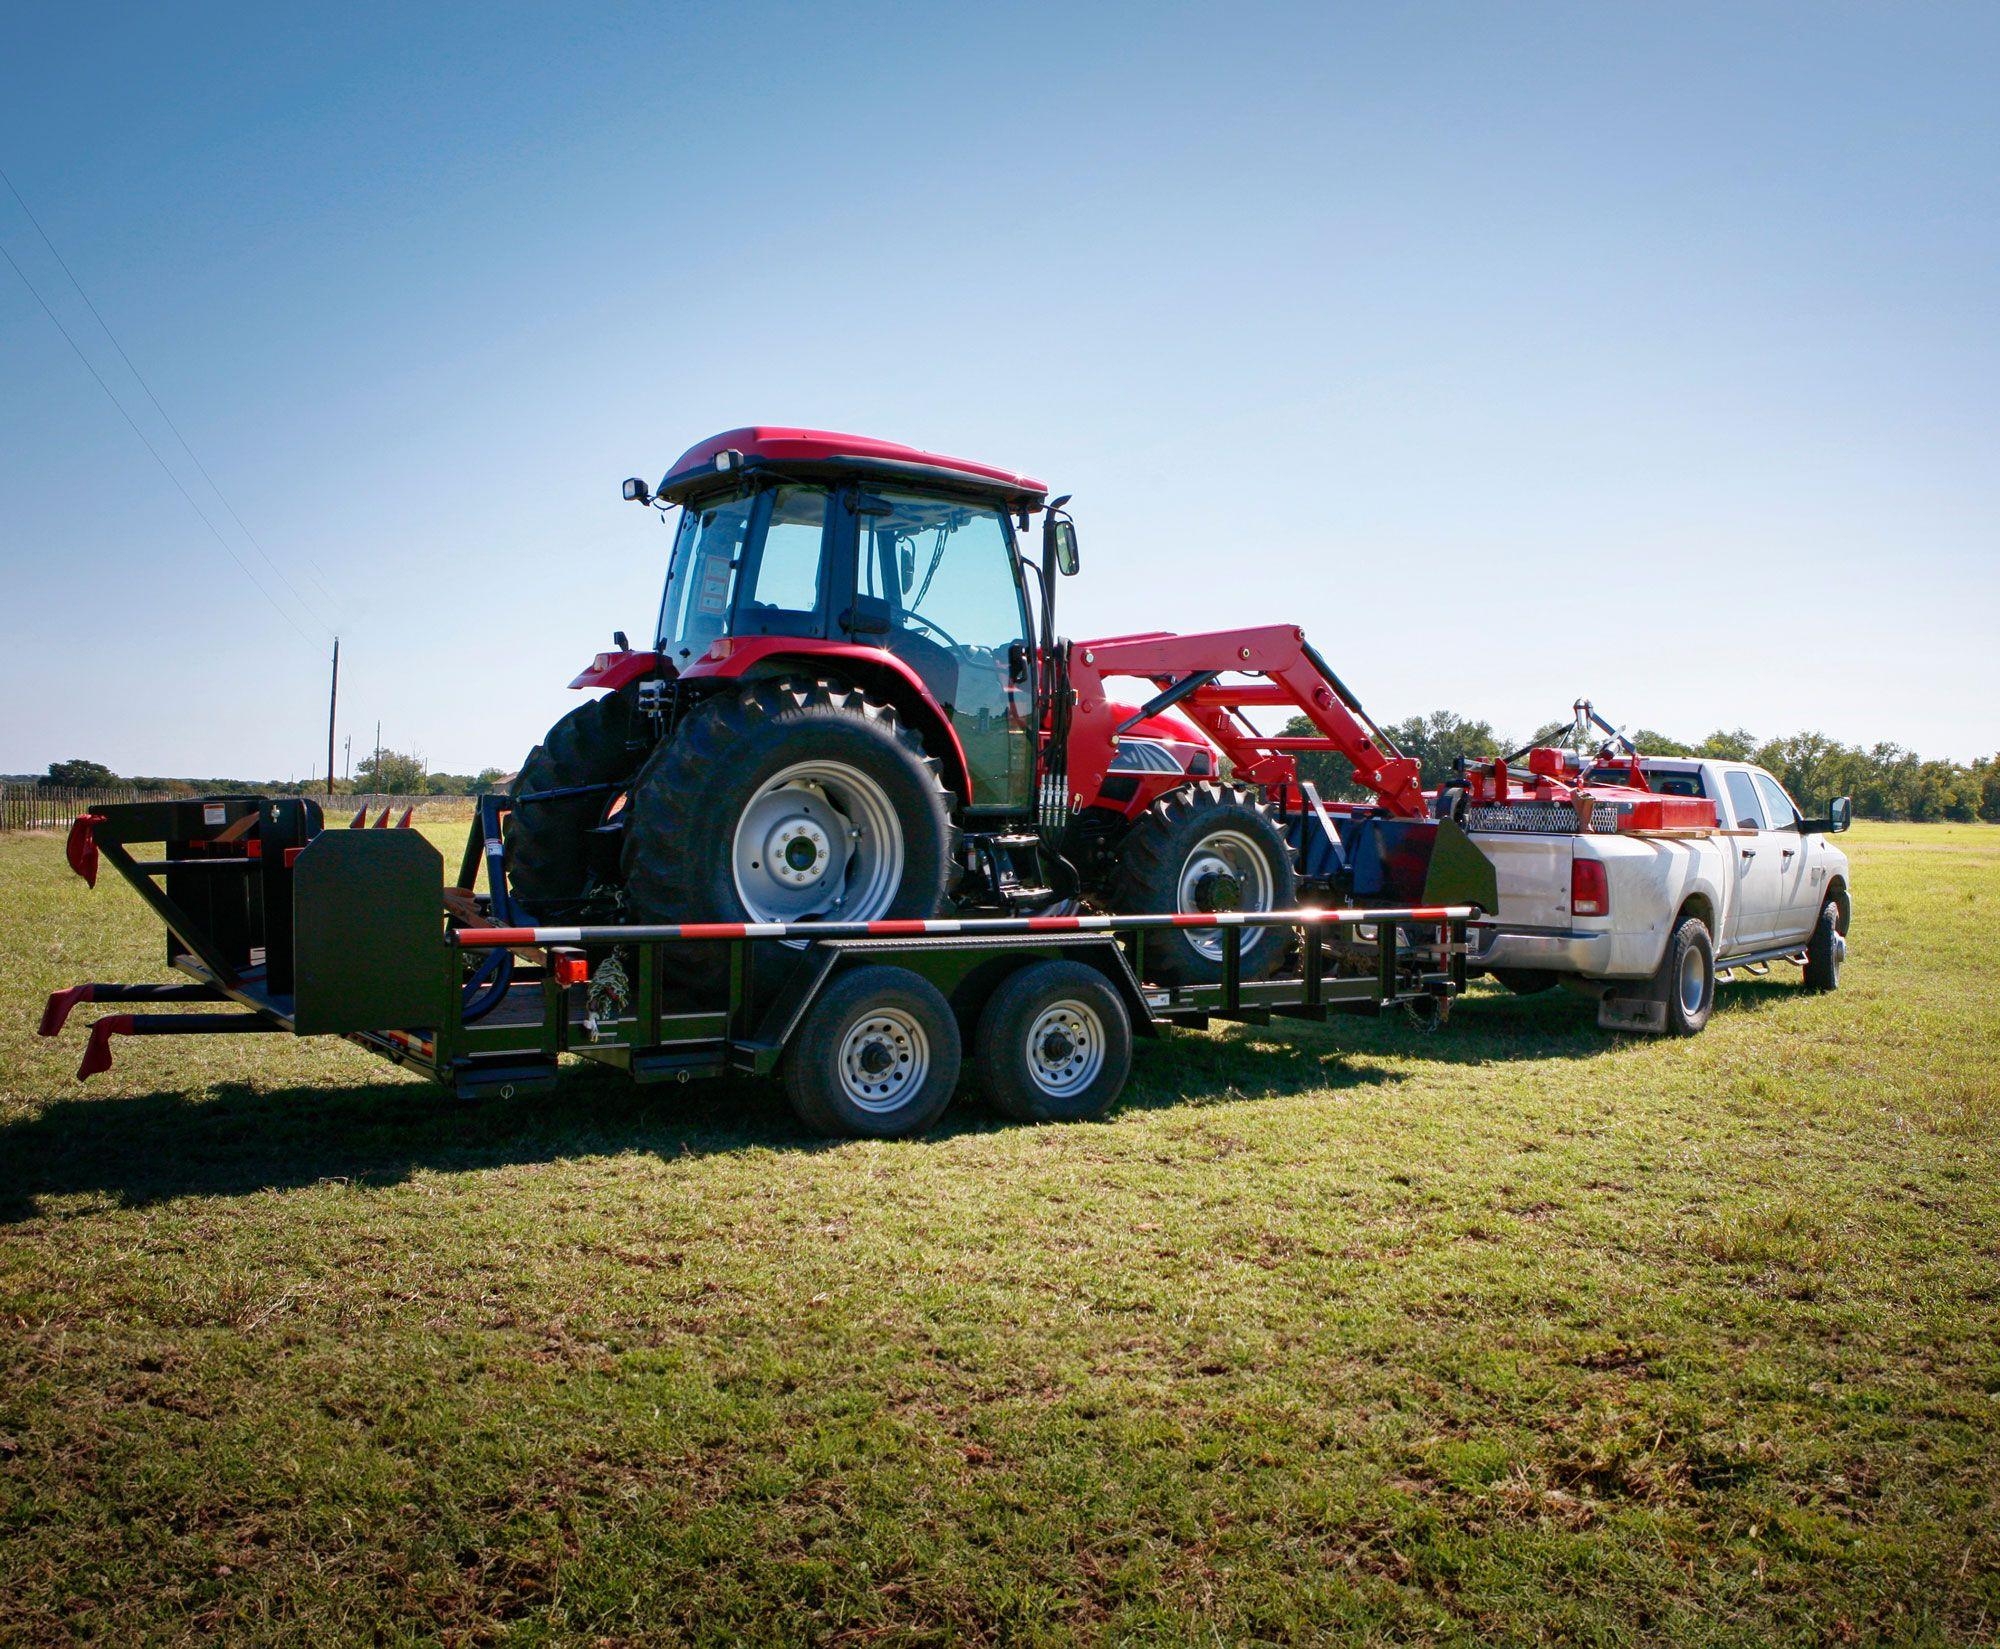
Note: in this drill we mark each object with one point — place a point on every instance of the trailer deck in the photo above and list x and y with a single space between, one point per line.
290 928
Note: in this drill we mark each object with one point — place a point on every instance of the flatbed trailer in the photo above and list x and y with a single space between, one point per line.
287 927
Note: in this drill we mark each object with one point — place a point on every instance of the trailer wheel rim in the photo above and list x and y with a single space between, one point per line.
1693 980
1065 1048
1222 853
884 1059
817 839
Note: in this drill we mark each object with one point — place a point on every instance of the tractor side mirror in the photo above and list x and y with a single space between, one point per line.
1059 545
906 564
636 491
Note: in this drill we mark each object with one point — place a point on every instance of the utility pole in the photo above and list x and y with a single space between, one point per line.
347 760
378 752
332 703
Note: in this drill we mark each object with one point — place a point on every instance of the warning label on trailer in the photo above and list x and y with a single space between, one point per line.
213 813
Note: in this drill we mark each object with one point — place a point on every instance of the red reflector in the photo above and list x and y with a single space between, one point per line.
572 970
1589 889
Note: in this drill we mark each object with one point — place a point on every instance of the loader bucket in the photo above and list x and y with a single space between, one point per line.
1421 862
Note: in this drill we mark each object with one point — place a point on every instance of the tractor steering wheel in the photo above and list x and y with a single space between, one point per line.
950 640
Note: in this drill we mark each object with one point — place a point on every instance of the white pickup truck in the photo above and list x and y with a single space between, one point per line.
1646 923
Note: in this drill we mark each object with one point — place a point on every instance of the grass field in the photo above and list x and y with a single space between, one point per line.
1515 1333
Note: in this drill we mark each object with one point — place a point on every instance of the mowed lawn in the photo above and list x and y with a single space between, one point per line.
1519 1332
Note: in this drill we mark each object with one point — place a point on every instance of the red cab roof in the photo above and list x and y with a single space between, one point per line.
761 444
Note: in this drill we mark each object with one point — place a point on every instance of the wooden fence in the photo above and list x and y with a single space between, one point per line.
45 807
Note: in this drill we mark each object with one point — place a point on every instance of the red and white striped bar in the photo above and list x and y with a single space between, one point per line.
971 927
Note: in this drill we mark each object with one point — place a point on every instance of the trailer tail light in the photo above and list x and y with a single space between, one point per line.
572 970
1589 888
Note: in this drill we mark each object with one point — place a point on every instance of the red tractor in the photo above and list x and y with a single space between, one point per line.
856 706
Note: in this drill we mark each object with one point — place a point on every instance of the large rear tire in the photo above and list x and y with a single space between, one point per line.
548 843
790 801
1206 847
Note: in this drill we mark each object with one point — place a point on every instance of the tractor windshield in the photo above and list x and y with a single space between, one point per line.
707 549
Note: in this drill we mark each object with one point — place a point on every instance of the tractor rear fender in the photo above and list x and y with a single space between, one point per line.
872 669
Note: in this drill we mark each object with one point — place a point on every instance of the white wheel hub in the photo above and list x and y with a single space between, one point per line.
1065 1048
1225 870
884 1059
817 839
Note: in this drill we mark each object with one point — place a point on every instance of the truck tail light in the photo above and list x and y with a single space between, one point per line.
1589 889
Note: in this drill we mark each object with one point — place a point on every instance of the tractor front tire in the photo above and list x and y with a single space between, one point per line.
790 801
548 859
1206 847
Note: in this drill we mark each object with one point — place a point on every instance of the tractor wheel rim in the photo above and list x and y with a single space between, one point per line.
817 839
1065 1048
885 1057
1693 980
1229 853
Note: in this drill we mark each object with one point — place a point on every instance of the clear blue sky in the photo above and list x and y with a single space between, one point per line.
1517 351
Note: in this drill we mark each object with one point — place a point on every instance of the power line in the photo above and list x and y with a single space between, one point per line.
155 451
105 327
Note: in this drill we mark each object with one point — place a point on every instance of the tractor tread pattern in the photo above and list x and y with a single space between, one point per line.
668 792
1149 862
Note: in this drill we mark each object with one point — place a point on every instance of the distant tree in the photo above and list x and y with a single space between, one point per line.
447 784
1433 740
1724 746
395 774
488 781
1651 743
1439 739
79 775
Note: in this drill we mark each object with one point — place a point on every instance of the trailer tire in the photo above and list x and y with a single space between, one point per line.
1054 1044
1185 839
1825 950
1686 980
548 846
876 1058
692 820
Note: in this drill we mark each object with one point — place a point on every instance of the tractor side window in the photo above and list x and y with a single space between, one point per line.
707 550
947 573
788 565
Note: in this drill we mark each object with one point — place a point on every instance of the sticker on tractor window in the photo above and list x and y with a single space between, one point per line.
213 813
713 596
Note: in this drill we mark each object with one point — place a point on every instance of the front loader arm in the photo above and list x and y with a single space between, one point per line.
1291 676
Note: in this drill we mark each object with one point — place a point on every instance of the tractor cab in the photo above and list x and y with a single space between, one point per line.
801 542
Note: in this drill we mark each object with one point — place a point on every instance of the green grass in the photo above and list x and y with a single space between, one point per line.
1515 1333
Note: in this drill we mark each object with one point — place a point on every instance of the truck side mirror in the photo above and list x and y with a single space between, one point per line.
1059 545
1839 815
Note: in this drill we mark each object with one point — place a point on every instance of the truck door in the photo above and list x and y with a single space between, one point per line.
1758 868
941 577
1798 900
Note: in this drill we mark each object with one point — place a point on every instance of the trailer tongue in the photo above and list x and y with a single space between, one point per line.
290 928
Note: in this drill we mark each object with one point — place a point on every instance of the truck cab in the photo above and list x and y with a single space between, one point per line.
1600 909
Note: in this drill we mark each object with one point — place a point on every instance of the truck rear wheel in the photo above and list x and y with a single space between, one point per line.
1206 847
877 1056
548 866
791 801
1686 980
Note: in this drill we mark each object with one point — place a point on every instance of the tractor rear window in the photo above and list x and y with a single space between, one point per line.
706 552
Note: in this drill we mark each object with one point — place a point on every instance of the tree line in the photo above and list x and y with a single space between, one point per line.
392 773
1885 780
